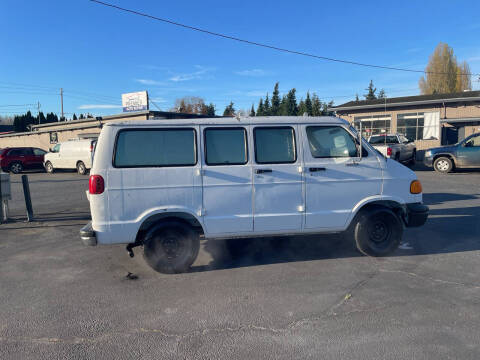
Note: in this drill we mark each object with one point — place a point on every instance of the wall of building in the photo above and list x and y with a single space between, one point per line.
450 111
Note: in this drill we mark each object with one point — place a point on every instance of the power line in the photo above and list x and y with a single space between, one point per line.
266 45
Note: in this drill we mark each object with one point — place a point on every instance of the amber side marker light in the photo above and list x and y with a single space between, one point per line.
415 187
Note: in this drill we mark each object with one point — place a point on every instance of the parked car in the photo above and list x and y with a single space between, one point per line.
73 154
465 154
395 146
17 159
162 185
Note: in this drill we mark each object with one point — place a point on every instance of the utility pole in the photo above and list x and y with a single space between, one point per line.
61 100
38 108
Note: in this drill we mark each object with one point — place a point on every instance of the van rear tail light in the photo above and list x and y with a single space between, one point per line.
96 185
389 151
91 147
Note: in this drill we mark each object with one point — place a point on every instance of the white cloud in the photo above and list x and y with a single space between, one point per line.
98 106
159 100
191 76
252 72
149 82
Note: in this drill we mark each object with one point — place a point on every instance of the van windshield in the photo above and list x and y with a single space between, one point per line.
383 139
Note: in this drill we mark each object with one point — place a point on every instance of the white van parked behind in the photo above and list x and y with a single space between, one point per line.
72 154
164 184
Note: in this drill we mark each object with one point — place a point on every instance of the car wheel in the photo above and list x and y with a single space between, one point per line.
171 247
443 165
377 231
16 167
49 167
81 168
413 160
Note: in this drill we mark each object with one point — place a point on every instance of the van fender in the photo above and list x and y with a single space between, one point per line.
389 201
166 210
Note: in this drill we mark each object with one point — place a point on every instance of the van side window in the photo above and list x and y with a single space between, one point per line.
226 146
56 148
155 148
330 142
275 145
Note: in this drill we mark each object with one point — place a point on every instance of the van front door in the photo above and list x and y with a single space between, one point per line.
227 180
334 178
278 181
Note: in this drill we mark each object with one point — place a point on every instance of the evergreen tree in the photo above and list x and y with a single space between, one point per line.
81 117
284 106
308 104
275 101
302 108
210 110
266 107
41 118
371 92
292 108
382 94
252 111
356 97
74 117
316 105
229 110
260 108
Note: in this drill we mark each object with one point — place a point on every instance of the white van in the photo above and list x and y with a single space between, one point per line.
73 154
164 184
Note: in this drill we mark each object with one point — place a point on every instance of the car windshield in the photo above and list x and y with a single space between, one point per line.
383 139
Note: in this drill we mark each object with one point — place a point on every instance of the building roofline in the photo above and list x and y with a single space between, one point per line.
468 96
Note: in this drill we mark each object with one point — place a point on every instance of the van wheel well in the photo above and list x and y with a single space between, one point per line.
396 207
184 218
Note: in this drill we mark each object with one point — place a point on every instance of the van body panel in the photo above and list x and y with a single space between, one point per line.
71 152
254 198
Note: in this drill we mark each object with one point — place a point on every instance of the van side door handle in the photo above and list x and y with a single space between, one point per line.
261 171
314 169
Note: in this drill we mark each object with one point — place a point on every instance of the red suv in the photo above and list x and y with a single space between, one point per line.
19 158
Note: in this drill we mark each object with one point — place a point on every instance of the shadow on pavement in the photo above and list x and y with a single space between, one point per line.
446 230
441 198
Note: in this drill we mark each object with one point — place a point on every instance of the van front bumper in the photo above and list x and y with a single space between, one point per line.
416 214
88 236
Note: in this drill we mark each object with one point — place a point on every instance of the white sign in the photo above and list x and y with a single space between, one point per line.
136 101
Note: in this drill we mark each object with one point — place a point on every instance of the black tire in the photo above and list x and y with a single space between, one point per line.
81 168
397 157
377 231
413 160
49 167
171 247
443 165
16 167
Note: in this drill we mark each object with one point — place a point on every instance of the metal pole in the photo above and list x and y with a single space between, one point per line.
28 199
61 99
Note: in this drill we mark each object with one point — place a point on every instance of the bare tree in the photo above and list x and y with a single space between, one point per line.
191 105
444 74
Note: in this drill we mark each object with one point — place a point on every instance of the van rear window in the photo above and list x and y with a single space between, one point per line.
155 148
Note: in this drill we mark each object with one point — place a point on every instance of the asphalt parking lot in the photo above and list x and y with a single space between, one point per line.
307 297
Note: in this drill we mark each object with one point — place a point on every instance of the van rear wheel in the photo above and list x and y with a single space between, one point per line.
81 168
171 247
377 231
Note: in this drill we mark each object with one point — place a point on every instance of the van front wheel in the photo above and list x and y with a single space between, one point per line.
171 247
377 231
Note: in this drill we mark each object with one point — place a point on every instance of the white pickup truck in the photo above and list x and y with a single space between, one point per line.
395 146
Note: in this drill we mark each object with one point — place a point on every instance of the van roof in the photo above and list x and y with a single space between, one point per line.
257 120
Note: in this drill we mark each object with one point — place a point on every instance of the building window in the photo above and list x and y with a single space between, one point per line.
374 124
411 125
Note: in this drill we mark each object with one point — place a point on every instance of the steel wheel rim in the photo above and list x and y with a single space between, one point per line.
379 232
443 165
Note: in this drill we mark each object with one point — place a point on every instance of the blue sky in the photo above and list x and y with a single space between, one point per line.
96 53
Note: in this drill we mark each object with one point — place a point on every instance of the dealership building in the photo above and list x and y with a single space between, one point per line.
429 120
